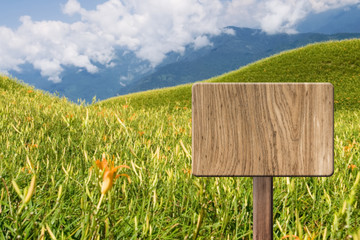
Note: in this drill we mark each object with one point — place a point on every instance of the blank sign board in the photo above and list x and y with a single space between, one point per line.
263 129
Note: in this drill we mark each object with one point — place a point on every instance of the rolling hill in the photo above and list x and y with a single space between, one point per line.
336 62
228 53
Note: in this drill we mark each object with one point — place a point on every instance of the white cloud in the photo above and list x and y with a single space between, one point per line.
241 13
154 28
282 15
321 5
229 31
49 68
276 16
71 7
201 41
150 29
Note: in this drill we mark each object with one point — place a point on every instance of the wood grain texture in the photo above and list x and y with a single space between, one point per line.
262 208
262 129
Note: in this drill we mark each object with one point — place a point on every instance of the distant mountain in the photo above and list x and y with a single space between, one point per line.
341 20
79 84
228 52
130 74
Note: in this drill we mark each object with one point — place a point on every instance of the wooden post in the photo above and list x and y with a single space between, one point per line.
262 208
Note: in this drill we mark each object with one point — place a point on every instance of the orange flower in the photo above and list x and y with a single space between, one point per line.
132 117
108 179
125 106
351 145
352 166
31 145
24 168
109 173
288 236
348 148
187 171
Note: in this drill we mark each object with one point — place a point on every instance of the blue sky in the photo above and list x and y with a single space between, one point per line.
51 35
38 10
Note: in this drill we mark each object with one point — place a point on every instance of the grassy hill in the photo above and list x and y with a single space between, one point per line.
50 182
334 62
227 53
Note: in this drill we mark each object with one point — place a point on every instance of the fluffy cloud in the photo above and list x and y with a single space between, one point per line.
282 15
150 29
71 7
50 45
276 16
201 41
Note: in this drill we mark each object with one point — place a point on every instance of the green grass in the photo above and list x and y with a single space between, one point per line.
59 142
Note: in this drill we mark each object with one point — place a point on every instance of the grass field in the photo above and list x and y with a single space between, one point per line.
59 142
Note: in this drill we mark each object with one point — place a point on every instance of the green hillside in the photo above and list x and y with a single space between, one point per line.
52 171
335 62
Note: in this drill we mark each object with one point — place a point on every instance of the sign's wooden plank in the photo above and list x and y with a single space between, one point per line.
263 129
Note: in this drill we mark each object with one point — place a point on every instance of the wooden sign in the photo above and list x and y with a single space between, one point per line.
262 129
